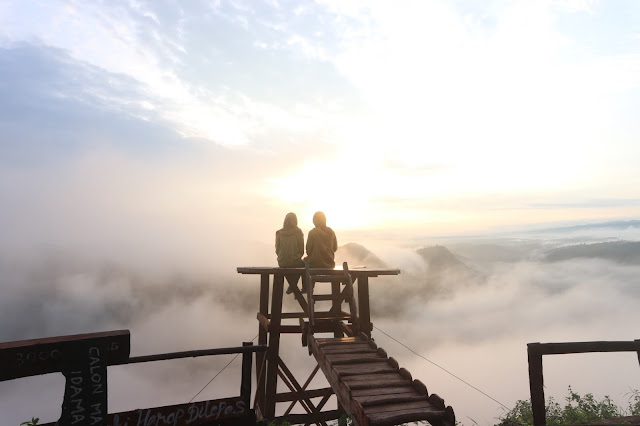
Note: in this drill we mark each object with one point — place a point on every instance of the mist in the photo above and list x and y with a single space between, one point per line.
472 316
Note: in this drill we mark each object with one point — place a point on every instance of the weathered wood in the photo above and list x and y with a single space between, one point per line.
274 347
405 416
353 383
304 418
195 354
24 358
536 384
245 383
370 369
364 307
337 359
380 391
333 341
227 411
262 340
296 396
584 347
263 321
298 388
354 348
394 398
357 272
332 321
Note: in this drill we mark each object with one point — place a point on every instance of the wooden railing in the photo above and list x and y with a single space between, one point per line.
83 360
535 352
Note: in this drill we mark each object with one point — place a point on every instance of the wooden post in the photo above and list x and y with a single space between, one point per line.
262 340
274 347
336 305
363 305
536 384
245 384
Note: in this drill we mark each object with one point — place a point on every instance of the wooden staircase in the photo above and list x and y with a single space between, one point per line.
372 388
369 385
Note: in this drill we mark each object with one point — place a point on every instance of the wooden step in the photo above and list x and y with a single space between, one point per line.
371 386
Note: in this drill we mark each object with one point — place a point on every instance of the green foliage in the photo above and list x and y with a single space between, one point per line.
577 409
33 422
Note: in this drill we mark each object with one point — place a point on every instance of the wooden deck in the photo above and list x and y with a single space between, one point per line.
372 388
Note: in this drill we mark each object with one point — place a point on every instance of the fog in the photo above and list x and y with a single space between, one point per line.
473 319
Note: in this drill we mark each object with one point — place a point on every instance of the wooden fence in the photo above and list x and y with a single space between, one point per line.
83 360
535 352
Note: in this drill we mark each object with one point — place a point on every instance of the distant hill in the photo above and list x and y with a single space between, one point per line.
358 255
445 272
627 252
616 224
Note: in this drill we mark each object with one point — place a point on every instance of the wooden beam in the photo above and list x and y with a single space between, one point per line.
536 384
274 347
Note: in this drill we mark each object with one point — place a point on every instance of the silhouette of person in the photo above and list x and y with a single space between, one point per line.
290 247
321 243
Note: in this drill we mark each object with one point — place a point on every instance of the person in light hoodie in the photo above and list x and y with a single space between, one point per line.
290 247
321 243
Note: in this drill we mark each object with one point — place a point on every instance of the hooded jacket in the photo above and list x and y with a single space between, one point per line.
321 243
290 243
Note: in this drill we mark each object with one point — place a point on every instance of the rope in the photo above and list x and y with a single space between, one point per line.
218 373
443 369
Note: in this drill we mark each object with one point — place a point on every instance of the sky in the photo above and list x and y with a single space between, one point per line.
148 148
437 117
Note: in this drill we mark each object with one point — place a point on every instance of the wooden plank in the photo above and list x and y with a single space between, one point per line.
403 406
355 272
375 383
295 396
395 398
381 391
355 358
336 341
354 348
24 358
371 369
585 347
225 411
434 416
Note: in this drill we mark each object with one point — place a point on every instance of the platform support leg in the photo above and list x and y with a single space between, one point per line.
274 347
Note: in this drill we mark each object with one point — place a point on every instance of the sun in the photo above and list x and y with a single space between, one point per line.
331 187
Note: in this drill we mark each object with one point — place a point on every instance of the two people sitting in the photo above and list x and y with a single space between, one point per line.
321 245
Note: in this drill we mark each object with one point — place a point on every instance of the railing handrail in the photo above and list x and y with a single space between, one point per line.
194 354
536 380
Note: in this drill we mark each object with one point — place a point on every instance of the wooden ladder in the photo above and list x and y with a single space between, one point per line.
333 320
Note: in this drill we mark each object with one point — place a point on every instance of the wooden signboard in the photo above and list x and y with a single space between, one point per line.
82 359
25 358
228 411
220 412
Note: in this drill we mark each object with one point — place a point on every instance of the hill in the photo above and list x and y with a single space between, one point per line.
626 252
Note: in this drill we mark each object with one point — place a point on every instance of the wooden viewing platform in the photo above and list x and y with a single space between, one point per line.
369 386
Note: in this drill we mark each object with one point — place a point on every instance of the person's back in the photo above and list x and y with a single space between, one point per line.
290 243
321 243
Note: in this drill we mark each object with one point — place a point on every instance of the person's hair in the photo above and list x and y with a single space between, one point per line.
290 220
319 219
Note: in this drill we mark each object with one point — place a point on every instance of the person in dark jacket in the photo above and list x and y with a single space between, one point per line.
321 243
290 246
